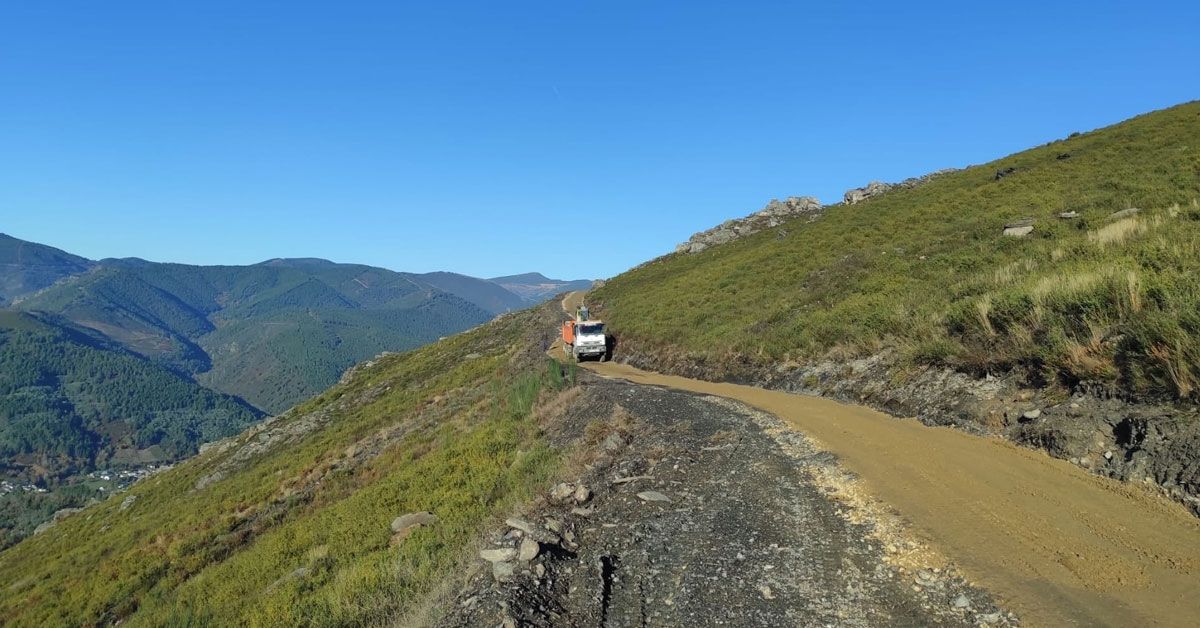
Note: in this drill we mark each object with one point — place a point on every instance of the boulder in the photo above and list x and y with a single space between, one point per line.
502 570
1019 228
874 188
498 554
561 492
413 520
529 550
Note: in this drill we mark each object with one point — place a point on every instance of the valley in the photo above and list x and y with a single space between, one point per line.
433 458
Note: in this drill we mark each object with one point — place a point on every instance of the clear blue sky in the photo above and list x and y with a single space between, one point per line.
483 137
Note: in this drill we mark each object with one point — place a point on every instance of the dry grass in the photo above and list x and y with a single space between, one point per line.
1173 362
1123 230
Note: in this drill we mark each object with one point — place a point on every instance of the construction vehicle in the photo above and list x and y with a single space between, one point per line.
584 339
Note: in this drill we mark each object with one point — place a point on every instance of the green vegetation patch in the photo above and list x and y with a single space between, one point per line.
289 524
927 272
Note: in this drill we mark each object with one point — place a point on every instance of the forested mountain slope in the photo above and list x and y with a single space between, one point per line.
273 333
27 267
72 401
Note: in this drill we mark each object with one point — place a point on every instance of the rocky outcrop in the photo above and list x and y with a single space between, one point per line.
874 188
1019 228
877 188
773 215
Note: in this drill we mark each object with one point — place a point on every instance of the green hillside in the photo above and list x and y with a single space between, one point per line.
288 524
273 333
487 295
1112 301
70 401
27 267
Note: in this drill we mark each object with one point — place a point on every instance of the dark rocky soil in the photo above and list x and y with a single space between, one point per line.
688 510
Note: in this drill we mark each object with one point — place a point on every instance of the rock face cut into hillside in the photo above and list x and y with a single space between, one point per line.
773 215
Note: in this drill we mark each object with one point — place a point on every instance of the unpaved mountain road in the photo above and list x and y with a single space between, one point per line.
1058 545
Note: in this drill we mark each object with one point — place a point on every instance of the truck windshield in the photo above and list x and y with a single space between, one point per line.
587 330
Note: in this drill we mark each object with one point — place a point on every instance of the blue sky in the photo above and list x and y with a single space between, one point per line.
485 137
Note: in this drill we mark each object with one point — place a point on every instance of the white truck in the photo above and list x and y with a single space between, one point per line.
585 339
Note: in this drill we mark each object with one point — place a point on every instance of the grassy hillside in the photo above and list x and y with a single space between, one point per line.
288 524
26 267
1113 301
273 333
70 401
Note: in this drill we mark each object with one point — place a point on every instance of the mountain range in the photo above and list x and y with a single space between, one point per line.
1062 276
187 354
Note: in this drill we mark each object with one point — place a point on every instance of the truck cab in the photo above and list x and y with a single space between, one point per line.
584 339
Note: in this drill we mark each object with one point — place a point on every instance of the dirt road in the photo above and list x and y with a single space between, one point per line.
1058 545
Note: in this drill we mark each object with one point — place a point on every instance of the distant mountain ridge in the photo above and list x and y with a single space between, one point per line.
124 362
272 333
536 287
26 267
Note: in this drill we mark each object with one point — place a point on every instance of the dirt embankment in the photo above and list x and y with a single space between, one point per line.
1061 545
1146 443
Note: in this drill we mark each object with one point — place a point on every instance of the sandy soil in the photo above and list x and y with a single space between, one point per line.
1060 546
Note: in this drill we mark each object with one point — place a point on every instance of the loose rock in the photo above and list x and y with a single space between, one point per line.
502 570
653 496
498 555
529 550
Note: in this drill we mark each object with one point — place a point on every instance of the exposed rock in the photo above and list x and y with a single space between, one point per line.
1032 414
773 215
1019 228
404 525
502 570
653 496
582 494
874 188
529 550
562 491
1062 156
532 531
612 442
1000 174
1068 215
1124 213
498 555
962 601
128 501
58 516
